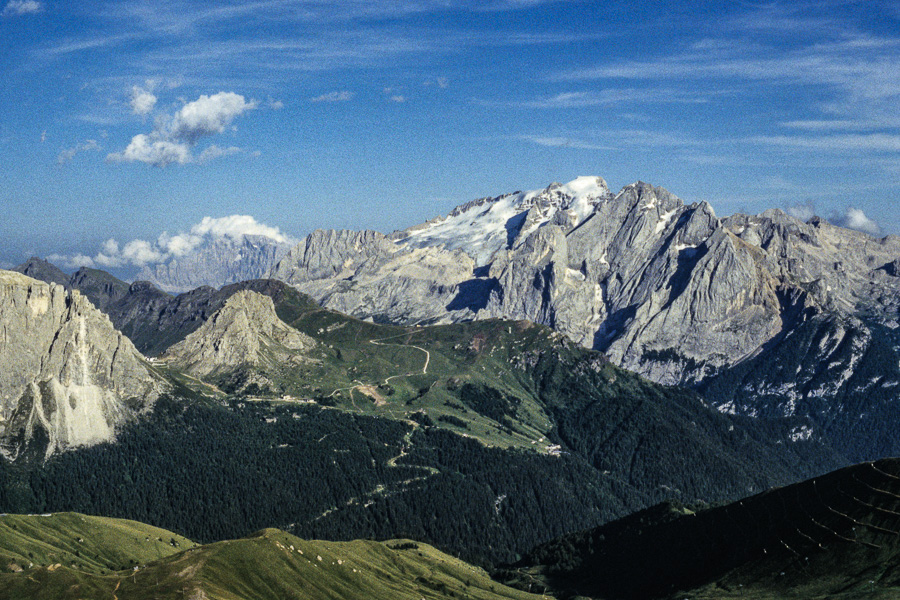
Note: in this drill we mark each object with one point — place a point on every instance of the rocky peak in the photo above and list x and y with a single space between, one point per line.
333 253
42 270
244 332
64 369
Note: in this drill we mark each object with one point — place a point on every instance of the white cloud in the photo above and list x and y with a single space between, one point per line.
139 252
142 101
342 96
235 226
71 262
208 115
158 153
21 7
398 98
173 138
803 212
109 254
68 154
856 219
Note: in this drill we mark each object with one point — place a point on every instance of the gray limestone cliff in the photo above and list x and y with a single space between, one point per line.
367 275
67 375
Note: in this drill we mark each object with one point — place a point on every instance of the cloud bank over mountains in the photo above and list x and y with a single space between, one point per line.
856 219
174 137
139 253
851 218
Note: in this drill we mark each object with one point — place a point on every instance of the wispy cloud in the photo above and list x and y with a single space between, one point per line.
848 78
15 8
441 82
860 71
616 96
178 36
564 142
616 139
342 96
69 153
877 142
803 212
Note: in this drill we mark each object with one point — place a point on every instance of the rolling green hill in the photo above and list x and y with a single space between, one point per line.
91 544
835 536
75 556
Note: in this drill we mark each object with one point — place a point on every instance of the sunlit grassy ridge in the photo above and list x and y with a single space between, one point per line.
90 544
128 561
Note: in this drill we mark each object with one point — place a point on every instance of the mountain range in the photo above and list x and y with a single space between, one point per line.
530 365
764 315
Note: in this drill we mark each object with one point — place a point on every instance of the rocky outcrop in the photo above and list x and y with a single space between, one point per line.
152 319
219 262
662 288
245 332
67 376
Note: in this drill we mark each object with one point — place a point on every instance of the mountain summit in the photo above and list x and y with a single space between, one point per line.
245 333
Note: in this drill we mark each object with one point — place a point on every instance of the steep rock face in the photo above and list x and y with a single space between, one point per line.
661 287
65 370
245 332
219 262
367 275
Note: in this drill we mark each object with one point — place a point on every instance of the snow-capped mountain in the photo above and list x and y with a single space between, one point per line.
482 227
664 288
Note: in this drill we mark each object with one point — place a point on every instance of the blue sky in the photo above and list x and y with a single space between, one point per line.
124 120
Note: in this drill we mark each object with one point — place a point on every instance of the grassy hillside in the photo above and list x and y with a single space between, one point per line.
835 536
90 544
128 562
